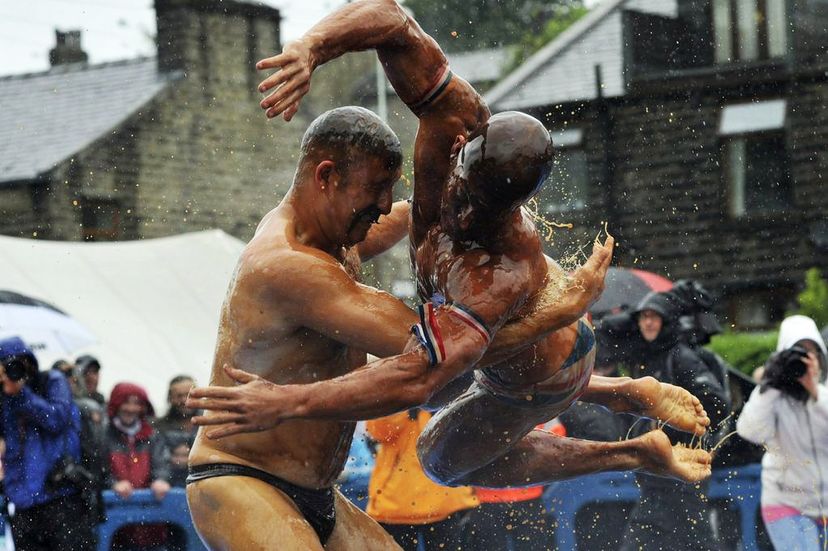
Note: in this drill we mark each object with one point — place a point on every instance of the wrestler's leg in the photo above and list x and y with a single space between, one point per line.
648 397
542 457
479 440
471 432
449 393
356 531
241 513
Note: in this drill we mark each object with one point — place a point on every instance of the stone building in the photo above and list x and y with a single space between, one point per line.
157 146
153 146
697 130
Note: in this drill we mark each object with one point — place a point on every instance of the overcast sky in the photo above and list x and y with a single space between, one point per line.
111 29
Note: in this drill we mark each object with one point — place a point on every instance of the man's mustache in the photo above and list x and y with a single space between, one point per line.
371 213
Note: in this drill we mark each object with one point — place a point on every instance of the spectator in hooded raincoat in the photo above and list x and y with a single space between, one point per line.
40 426
788 414
671 514
137 459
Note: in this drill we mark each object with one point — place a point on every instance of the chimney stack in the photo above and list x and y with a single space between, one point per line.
68 49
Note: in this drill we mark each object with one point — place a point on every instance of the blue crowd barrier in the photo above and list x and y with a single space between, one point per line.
143 508
355 488
740 485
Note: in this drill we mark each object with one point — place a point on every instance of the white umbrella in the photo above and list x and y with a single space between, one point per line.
48 331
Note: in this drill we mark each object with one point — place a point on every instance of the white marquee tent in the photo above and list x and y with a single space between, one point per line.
153 305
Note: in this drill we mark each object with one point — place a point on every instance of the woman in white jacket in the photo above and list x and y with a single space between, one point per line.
792 424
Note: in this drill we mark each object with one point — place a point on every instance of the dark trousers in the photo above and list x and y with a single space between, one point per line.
516 526
446 535
670 520
63 523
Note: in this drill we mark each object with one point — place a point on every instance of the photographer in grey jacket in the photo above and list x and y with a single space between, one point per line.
788 414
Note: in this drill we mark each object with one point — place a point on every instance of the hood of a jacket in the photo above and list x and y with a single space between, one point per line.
798 328
121 392
669 307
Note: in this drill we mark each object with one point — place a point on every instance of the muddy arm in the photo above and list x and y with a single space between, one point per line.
411 58
559 306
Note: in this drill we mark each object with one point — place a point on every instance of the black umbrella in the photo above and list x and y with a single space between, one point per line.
625 287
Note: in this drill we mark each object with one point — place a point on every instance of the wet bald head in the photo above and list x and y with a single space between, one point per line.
507 159
347 134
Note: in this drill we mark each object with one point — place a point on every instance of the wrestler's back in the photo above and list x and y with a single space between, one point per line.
255 335
438 259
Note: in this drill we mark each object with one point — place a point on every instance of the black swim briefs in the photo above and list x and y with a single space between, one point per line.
317 506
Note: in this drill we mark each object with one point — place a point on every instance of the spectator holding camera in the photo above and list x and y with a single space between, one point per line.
40 426
788 414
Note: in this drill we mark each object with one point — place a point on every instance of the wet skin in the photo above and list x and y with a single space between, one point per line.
490 258
295 314
267 326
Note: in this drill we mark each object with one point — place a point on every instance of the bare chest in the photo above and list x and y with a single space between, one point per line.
268 341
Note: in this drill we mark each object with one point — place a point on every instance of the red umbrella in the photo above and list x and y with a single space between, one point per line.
625 287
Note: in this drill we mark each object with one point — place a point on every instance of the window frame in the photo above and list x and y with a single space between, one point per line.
89 206
735 195
749 31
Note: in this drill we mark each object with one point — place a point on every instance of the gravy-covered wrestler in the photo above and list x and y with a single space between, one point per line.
295 314
479 265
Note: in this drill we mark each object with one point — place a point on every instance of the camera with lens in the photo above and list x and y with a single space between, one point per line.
16 369
784 369
68 472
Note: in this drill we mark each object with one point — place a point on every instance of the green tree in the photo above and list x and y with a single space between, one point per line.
529 43
744 351
461 25
813 300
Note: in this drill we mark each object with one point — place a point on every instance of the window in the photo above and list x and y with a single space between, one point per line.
101 220
566 187
748 30
757 167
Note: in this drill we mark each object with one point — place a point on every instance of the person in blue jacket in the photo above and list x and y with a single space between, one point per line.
40 425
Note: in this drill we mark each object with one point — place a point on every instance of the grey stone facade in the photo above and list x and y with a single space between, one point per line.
200 154
657 159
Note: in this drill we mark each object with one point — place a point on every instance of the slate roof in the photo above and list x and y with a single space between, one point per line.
476 67
47 117
479 65
564 69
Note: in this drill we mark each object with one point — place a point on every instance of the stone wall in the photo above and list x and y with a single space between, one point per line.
666 201
669 170
201 154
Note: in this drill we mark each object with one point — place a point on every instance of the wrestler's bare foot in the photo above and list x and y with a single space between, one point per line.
660 458
669 404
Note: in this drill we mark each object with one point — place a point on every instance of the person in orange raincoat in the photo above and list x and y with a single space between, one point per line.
403 499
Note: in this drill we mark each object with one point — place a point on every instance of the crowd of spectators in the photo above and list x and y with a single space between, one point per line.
64 443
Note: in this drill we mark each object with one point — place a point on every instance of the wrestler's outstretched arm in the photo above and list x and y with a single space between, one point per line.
558 307
360 25
411 60
383 387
